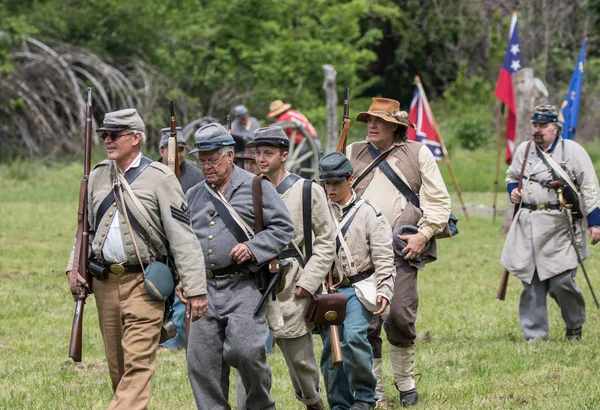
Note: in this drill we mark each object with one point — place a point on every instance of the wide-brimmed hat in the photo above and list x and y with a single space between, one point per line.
278 107
335 166
544 114
164 138
210 137
388 110
127 119
274 136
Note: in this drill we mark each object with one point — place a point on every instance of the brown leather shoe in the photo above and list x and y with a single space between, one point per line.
409 398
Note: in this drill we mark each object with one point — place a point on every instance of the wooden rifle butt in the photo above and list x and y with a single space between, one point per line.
75 344
336 347
503 285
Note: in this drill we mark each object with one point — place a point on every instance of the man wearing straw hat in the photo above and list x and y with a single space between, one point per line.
415 196
539 248
283 112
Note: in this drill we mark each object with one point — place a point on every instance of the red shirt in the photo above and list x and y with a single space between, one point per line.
297 116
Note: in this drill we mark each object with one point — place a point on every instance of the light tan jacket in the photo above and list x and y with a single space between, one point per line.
541 239
369 239
160 193
314 273
414 163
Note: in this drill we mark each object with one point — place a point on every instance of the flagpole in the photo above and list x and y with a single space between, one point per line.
444 151
498 153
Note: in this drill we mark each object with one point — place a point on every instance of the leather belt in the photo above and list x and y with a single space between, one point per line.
540 207
350 280
227 272
123 268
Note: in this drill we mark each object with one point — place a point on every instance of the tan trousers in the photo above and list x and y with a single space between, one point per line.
130 323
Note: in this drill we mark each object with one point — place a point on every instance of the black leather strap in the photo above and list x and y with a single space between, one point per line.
227 218
540 207
307 217
228 271
130 176
400 185
350 280
372 165
287 183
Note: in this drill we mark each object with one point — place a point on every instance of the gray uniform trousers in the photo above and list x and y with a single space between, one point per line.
230 335
533 312
302 364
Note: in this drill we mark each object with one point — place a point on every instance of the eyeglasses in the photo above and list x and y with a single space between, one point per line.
114 137
210 162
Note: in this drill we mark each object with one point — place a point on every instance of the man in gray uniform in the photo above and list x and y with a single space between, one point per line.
307 204
190 174
539 249
125 187
243 124
221 212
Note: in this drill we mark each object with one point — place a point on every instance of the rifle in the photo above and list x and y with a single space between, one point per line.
172 149
334 332
565 208
504 281
229 124
341 145
80 258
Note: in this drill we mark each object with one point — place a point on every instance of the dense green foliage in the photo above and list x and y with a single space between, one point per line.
216 54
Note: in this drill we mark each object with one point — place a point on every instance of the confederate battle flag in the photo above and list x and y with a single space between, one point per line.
504 87
420 115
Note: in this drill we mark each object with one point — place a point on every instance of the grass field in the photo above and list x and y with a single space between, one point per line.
470 352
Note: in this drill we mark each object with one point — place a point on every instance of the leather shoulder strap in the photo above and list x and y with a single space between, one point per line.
287 183
228 219
395 179
307 217
376 161
257 202
130 176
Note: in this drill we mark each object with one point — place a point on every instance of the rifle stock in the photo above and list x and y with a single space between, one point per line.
504 281
172 149
341 145
80 259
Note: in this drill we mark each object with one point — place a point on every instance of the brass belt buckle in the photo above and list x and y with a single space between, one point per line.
345 282
541 207
117 269
209 274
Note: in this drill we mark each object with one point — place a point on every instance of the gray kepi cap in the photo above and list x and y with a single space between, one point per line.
210 137
166 134
334 167
240 111
274 136
127 119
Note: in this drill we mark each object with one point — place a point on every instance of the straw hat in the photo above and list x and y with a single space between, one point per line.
278 107
388 110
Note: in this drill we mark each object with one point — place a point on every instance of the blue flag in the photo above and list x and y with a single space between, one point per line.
569 109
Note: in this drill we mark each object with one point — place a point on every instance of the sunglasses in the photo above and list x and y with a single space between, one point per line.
114 137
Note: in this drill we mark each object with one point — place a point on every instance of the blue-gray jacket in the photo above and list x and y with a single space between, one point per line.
217 241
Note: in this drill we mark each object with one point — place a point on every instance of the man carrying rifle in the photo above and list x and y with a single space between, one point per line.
122 190
307 204
222 216
403 179
190 174
364 273
539 249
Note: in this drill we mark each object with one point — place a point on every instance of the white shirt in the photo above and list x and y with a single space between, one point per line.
113 249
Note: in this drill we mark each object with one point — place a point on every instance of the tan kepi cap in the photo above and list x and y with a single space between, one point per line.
388 110
278 107
127 119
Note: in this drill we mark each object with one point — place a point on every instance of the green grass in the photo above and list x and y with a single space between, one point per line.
470 352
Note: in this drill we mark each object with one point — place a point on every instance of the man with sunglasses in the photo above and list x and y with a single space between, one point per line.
222 215
130 318
190 176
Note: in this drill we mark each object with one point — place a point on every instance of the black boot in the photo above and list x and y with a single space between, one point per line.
409 398
574 334
317 406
